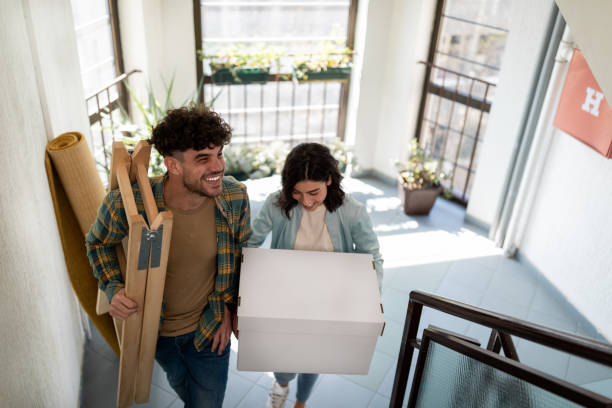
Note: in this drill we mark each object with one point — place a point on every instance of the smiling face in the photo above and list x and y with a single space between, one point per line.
202 170
310 194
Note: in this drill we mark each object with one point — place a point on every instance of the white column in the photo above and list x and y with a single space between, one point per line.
158 38
397 36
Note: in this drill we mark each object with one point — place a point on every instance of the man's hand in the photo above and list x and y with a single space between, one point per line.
121 306
222 336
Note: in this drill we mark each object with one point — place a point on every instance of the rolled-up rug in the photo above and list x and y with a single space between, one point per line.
77 192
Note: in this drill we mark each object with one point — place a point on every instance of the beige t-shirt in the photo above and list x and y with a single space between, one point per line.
192 268
312 234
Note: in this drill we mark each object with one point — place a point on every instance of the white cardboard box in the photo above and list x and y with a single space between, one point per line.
307 311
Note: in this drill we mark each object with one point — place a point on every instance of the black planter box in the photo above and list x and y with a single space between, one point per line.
328 74
242 75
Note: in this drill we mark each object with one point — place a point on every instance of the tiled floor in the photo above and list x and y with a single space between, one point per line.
438 254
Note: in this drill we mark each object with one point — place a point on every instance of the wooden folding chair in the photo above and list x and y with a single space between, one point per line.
143 271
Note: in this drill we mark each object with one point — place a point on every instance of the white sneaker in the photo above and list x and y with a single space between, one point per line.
277 396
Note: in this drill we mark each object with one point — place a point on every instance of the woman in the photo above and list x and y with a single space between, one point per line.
311 212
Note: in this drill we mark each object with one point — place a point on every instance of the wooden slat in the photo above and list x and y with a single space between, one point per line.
120 158
138 172
135 284
127 195
145 287
140 155
156 279
102 305
118 330
123 267
135 281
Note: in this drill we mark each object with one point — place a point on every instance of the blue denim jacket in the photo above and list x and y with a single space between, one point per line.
349 227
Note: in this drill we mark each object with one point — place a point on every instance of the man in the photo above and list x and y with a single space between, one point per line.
210 225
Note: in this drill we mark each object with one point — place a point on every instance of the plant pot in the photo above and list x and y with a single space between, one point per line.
328 74
243 75
417 202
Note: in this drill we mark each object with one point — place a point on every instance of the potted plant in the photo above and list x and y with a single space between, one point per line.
238 64
419 181
150 110
331 63
340 152
244 161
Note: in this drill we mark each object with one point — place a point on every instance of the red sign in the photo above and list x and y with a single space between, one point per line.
583 111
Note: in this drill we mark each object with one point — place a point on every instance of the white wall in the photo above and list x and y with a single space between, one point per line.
397 37
518 69
56 59
569 229
42 344
158 38
179 40
565 232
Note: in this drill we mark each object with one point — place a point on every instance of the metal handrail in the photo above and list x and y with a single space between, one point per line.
110 84
111 105
590 349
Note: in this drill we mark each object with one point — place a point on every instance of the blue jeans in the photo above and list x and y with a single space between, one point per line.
305 383
199 378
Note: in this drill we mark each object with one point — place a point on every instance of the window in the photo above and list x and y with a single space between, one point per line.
94 32
280 109
96 28
462 72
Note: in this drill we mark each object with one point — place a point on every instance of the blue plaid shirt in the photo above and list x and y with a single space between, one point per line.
232 220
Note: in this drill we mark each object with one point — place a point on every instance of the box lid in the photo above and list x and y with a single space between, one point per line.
292 291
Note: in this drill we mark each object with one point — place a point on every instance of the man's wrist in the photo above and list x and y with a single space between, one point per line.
111 290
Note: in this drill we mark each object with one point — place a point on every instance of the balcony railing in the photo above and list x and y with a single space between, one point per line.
451 125
104 109
282 108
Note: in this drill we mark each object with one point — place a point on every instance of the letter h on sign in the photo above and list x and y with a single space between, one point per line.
583 111
592 101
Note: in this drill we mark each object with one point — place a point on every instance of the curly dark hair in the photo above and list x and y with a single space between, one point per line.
195 127
310 161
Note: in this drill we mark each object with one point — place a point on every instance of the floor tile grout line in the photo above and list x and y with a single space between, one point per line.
168 390
488 286
354 382
444 276
101 354
245 394
534 293
172 402
387 354
371 398
360 386
567 364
